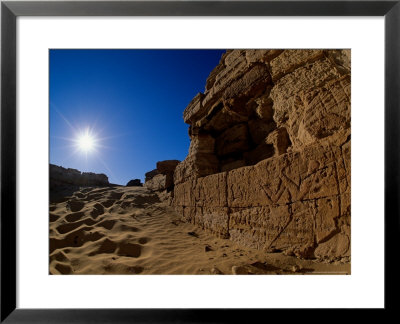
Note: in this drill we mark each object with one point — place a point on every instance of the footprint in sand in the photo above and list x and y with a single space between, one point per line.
63 268
127 228
108 203
124 204
145 200
75 238
116 195
143 240
107 224
59 256
98 209
53 218
135 269
130 250
75 205
65 228
107 246
73 217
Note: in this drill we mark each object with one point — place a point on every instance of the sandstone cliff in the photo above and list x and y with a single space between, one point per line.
60 177
269 159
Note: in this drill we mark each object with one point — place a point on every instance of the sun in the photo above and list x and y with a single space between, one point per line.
86 142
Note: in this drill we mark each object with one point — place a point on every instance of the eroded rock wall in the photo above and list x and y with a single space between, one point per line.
161 178
269 159
60 177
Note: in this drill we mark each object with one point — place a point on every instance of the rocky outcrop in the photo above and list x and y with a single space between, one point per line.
134 183
60 177
269 159
151 174
161 178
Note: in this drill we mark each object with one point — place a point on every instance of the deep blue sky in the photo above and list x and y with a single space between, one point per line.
133 99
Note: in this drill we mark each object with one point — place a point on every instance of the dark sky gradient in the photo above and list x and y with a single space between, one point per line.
133 99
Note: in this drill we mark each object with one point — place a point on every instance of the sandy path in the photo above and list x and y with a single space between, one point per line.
128 230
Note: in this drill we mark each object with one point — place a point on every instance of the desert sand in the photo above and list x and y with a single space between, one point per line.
130 230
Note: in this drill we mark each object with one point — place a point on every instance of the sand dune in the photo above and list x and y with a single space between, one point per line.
128 230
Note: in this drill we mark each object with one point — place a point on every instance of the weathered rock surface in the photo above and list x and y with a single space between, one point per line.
269 160
149 175
158 183
60 177
134 183
162 178
167 166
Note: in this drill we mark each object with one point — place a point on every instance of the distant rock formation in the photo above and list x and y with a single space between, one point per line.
161 178
151 174
134 183
269 158
60 177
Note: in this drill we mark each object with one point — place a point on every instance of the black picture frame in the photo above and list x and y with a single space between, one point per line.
10 10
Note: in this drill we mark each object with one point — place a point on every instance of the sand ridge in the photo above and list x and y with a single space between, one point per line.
129 230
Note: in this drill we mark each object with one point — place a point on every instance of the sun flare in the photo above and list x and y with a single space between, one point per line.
86 142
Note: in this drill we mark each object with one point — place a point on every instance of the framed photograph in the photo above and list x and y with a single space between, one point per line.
175 160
